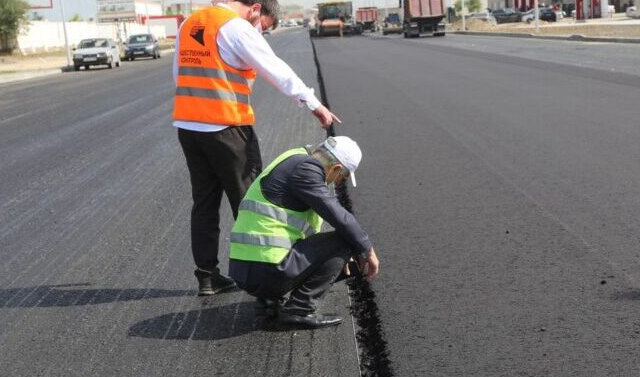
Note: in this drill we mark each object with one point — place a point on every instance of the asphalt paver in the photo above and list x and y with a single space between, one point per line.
501 196
96 276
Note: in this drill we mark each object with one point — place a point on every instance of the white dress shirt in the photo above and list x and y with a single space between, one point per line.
242 46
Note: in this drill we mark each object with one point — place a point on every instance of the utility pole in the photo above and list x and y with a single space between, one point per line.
146 9
66 38
537 15
464 24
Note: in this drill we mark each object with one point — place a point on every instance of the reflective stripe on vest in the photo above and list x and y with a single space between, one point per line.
261 240
277 213
208 90
265 232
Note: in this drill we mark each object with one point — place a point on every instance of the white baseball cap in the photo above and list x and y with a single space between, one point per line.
347 152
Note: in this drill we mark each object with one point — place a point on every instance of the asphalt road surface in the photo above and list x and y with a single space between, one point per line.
499 184
96 276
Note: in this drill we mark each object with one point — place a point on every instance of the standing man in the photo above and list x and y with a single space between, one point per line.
219 53
276 246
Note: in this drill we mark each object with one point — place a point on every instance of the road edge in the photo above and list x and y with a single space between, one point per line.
574 37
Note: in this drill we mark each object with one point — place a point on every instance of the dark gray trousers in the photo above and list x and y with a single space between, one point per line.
225 161
312 266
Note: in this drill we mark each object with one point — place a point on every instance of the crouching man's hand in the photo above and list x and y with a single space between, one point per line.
371 263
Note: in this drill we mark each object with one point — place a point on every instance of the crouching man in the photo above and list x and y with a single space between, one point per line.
276 244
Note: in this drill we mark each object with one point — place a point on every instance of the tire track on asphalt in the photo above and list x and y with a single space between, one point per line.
80 181
88 210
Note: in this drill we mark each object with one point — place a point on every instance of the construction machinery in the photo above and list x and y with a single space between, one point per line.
367 18
335 18
392 24
423 17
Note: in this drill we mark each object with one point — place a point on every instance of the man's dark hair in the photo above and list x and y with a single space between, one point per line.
269 8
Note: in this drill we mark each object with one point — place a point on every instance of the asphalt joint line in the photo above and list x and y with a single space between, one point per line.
374 356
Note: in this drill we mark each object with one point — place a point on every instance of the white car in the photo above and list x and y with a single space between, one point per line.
484 16
96 51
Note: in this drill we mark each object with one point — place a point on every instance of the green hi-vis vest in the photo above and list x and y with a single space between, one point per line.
265 232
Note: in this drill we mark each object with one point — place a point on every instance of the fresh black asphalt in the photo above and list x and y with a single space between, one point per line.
96 276
499 188
501 193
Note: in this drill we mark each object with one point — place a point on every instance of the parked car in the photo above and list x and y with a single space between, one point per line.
140 46
96 51
545 14
548 14
506 15
484 16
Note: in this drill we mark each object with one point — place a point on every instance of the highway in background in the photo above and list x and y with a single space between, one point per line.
500 186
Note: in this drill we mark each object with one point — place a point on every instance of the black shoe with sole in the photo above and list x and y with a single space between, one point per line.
269 307
210 283
312 321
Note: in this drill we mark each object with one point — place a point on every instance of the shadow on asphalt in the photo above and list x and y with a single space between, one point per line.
78 295
226 321
216 323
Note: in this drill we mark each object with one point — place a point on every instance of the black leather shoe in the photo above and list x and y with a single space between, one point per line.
312 321
269 307
210 283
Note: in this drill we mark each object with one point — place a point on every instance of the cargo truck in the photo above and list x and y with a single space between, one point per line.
334 16
423 17
367 18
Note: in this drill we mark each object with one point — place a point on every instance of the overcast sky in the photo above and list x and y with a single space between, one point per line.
87 8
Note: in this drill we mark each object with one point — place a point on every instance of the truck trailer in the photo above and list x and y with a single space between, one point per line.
335 18
367 18
423 17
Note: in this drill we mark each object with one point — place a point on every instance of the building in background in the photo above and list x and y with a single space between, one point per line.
127 10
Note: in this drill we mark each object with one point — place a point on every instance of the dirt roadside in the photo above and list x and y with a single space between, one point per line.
566 27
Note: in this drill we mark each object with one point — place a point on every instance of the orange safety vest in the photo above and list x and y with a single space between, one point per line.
208 89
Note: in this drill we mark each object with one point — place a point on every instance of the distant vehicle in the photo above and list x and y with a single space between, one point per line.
632 12
140 46
528 16
548 14
506 15
334 16
96 51
484 16
367 17
392 24
290 23
423 17
545 14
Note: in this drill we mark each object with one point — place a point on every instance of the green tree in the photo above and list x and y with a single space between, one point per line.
75 18
13 17
471 5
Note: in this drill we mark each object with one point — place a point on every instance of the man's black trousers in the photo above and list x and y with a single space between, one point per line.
312 266
228 160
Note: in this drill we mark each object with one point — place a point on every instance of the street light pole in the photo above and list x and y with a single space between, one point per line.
537 15
464 25
146 9
66 38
